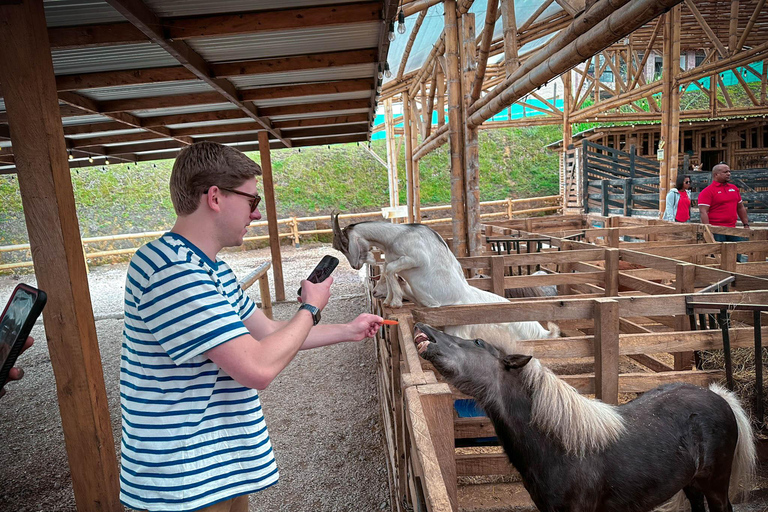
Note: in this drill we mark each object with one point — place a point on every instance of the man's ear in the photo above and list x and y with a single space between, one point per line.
212 198
515 361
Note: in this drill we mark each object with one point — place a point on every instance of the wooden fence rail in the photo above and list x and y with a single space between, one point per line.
513 207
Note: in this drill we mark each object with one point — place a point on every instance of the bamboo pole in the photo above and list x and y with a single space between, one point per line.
392 156
622 22
670 110
409 45
440 91
269 199
407 125
733 27
511 59
587 21
455 129
485 43
416 186
472 167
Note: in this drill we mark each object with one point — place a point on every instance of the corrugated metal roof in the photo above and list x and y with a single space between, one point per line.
330 113
78 120
210 123
173 8
262 45
64 13
184 110
224 134
110 58
118 144
308 100
306 76
99 134
147 90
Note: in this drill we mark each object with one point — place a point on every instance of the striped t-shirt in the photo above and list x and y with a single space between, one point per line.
192 436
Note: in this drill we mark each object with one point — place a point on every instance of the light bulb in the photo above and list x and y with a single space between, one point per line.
381 73
106 161
391 34
387 71
401 22
90 159
71 156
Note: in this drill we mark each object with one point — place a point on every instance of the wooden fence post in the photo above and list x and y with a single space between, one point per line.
728 256
604 193
607 350
497 275
611 281
685 278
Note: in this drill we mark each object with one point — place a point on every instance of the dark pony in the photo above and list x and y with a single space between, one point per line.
580 455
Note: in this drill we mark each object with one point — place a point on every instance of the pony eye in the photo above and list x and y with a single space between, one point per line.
479 342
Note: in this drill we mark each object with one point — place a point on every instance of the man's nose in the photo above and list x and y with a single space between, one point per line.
256 214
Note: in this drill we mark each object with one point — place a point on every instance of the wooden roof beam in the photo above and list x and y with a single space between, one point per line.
253 67
258 94
217 25
145 20
93 107
285 125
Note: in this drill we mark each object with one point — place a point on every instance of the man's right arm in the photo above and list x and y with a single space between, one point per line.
255 359
704 211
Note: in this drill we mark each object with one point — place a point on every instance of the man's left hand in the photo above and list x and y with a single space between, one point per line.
17 373
365 326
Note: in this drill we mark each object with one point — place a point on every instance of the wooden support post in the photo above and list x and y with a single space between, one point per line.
611 281
266 298
733 27
685 277
670 110
471 145
607 350
392 156
269 199
440 91
415 208
509 24
29 91
497 275
728 256
408 127
456 124
565 268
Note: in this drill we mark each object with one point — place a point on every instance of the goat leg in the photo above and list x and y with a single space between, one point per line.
394 292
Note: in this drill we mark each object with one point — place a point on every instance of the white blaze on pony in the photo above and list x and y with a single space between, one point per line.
420 256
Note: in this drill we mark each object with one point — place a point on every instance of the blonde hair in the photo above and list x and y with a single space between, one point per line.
202 165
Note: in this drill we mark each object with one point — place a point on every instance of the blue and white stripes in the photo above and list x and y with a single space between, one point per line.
192 436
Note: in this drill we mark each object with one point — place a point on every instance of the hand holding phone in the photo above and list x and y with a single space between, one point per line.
323 269
21 312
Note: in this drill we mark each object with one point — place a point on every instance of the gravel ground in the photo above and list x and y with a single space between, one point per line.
322 411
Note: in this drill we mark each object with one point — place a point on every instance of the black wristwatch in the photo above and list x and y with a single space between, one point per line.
315 312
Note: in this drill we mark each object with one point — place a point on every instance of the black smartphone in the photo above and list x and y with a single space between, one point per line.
21 312
322 270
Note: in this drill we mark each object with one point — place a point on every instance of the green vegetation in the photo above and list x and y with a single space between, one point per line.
128 198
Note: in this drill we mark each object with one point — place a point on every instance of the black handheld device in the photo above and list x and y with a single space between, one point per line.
21 312
322 270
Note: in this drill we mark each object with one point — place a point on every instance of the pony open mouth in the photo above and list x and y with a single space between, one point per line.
421 341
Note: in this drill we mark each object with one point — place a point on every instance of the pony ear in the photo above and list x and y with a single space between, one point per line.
515 361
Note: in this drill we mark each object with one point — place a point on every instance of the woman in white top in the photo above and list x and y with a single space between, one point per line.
678 207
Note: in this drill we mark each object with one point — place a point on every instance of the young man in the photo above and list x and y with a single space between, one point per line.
196 348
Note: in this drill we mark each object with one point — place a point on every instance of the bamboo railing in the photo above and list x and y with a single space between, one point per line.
513 207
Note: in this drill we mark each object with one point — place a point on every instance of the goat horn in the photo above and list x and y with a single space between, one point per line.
339 242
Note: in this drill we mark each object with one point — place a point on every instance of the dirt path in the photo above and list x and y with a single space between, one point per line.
322 411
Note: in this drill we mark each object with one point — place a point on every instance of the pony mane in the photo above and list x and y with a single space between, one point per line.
579 424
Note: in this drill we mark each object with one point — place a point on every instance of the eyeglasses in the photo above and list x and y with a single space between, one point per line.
687 181
255 199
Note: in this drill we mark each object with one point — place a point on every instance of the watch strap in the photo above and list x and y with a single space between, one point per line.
315 312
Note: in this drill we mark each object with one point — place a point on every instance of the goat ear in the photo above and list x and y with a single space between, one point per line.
515 361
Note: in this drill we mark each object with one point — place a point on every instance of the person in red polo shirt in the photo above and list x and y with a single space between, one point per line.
720 204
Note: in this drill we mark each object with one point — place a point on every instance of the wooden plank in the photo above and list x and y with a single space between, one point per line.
29 92
423 451
606 342
611 274
469 428
437 404
484 464
643 285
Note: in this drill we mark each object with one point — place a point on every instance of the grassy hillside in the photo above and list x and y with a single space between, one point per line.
128 198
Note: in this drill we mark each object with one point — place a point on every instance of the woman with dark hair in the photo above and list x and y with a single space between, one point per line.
679 201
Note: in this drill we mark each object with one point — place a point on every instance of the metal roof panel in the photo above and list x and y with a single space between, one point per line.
191 109
262 45
110 58
65 13
305 100
174 8
209 123
306 76
147 90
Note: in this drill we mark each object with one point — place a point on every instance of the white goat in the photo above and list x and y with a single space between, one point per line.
420 256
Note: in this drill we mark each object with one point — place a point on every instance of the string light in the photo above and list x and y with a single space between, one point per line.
381 73
71 156
391 34
401 23
387 71
106 161
90 159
